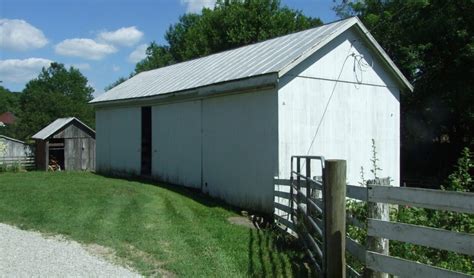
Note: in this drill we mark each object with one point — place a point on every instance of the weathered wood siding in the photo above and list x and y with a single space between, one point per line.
73 131
79 154
15 148
79 148
42 155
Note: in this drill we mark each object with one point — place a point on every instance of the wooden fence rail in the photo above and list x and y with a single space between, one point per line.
382 264
425 198
27 162
307 215
313 210
425 236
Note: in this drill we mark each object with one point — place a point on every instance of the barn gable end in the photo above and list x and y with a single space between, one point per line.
338 100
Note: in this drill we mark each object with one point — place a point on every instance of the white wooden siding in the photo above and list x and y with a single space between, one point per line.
240 148
118 140
356 113
176 137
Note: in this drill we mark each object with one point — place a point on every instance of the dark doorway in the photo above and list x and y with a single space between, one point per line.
146 141
56 154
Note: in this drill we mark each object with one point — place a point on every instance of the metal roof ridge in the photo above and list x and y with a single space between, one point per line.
47 133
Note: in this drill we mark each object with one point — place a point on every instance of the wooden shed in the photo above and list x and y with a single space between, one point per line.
13 151
14 148
66 142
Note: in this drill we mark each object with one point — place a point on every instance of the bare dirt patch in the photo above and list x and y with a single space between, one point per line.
104 252
242 221
150 260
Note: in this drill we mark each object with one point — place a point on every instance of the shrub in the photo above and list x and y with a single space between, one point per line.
16 167
13 168
460 180
3 168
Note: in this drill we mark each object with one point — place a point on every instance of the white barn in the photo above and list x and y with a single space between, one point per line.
228 123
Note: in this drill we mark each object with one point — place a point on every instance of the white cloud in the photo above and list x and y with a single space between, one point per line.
115 68
138 54
16 34
19 71
126 36
195 6
84 48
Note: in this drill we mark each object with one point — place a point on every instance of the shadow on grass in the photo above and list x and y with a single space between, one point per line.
272 252
195 194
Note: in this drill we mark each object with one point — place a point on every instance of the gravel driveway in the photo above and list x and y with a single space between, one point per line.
27 254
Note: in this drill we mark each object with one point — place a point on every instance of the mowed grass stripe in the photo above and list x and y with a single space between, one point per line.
199 240
157 229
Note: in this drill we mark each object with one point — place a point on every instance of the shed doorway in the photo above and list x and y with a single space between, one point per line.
146 141
56 154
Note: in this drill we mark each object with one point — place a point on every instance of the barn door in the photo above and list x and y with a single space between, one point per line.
177 143
146 141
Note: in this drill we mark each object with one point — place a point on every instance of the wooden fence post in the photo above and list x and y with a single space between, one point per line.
382 212
335 218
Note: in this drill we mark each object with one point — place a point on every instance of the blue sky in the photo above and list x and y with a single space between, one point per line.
103 38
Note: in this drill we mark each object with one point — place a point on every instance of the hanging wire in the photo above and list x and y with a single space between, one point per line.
358 63
327 103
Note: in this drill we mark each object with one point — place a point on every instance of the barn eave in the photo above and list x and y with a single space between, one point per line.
264 81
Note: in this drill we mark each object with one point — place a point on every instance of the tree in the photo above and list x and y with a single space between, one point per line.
116 83
157 56
9 101
231 24
57 92
432 42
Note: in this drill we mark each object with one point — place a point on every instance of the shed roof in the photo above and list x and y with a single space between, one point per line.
278 55
11 139
57 125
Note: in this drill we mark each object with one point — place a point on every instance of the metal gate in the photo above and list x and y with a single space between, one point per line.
307 199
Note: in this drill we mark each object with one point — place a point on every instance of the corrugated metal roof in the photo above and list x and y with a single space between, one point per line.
53 127
271 56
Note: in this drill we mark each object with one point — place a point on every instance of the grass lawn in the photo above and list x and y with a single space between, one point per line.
159 230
